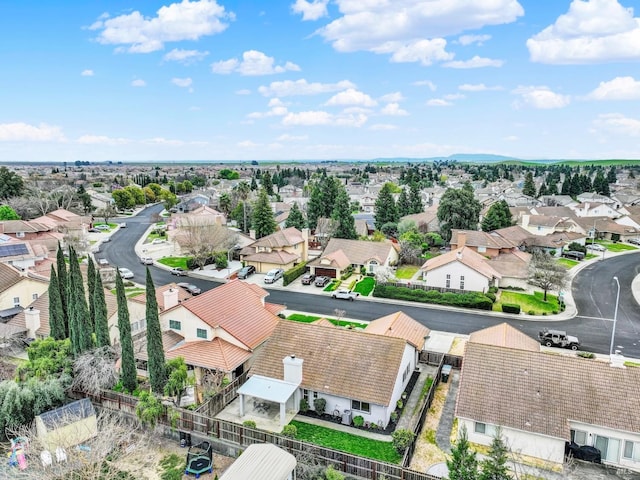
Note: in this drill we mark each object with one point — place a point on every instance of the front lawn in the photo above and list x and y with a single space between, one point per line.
298 317
333 285
406 272
529 303
567 263
153 236
365 286
617 247
346 442
175 262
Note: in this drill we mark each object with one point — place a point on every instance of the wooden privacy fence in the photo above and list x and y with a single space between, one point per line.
214 405
436 358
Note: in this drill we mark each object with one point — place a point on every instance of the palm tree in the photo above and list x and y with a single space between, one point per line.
242 190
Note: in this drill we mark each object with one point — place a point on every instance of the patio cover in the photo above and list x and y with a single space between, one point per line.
269 389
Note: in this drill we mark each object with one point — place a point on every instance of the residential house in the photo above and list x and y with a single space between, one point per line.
590 209
513 268
488 244
545 225
21 254
540 401
18 289
607 228
557 200
356 372
426 221
64 220
593 197
362 229
341 254
401 325
282 249
460 269
36 234
194 202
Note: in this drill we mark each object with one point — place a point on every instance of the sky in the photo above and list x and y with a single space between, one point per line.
153 80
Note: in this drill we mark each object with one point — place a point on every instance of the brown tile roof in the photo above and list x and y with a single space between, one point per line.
9 276
475 238
347 363
237 308
182 295
336 259
504 335
400 325
515 234
537 392
282 238
216 354
360 252
544 220
466 256
170 339
513 264
324 322
274 307
277 257
422 217
15 226
565 212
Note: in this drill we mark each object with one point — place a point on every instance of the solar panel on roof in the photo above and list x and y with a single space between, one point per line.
11 250
4 238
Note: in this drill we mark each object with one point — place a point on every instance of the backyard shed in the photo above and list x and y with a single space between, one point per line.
251 464
68 425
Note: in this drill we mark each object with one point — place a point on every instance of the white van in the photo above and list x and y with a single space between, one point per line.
146 260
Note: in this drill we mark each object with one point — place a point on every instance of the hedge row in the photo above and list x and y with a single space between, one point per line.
510 308
466 300
293 273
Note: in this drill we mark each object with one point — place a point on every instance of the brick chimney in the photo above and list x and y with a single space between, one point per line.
252 234
461 239
292 369
525 221
170 298
32 321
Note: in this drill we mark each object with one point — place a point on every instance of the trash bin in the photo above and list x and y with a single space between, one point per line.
183 439
346 417
446 371
188 439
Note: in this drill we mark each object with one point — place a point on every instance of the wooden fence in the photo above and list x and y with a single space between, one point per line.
214 405
436 358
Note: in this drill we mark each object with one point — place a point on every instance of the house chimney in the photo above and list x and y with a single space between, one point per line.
525 220
292 369
461 239
459 254
32 321
252 234
170 298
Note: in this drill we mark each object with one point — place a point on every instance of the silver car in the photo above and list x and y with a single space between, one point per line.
274 275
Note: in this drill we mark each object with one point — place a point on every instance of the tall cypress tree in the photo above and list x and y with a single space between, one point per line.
101 314
91 285
295 218
127 360
56 315
404 208
81 340
155 352
341 214
63 285
415 199
529 187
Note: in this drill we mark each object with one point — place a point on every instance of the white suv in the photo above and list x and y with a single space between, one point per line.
146 260
274 275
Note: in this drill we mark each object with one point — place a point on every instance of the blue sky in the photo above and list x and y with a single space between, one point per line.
318 79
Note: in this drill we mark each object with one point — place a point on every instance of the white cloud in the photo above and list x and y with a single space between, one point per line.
243 91
620 88
312 10
392 97
101 140
182 82
592 31
184 56
187 20
138 82
423 51
540 97
292 138
475 62
276 108
393 109
618 124
87 73
478 87
454 96
511 138
471 39
290 88
20 132
383 127
428 83
319 118
351 97
248 144
166 142
253 63
383 27
438 102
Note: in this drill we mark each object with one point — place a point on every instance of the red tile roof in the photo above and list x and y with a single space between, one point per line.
400 325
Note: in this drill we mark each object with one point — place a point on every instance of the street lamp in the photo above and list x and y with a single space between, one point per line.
615 317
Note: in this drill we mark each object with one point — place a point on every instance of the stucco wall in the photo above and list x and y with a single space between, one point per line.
473 281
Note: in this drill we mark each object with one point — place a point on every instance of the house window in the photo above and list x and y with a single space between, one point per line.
579 437
309 396
405 374
361 406
461 282
34 296
201 333
175 324
447 282
482 249
20 234
610 448
372 266
16 301
631 451
484 429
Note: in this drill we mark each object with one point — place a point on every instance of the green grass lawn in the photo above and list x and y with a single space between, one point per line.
152 236
333 285
346 442
590 256
616 247
365 286
131 291
529 302
429 255
567 263
298 317
175 262
406 272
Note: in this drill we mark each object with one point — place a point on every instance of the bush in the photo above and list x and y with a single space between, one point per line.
249 424
394 416
586 354
400 404
319 405
517 289
304 405
290 431
358 421
575 246
531 312
475 300
510 308
293 273
402 438
491 296
347 272
493 290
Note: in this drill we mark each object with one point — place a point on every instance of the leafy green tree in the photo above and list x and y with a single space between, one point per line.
404 208
546 273
498 216
386 210
177 378
149 409
20 402
11 184
225 204
341 214
494 466
295 218
101 313
529 187
56 315
267 183
600 184
463 464
458 209
415 199
8 213
63 285
47 358
321 200
128 362
155 351
263 221
85 200
611 175
123 199
91 285
228 174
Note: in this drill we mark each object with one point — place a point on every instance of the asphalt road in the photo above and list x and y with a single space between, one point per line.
595 299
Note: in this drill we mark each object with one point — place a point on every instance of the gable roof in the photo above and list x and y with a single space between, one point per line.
400 325
282 238
475 238
504 335
537 392
359 252
9 276
336 259
238 308
466 256
216 354
513 264
346 363
182 295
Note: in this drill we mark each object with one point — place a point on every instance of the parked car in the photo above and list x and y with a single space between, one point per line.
321 281
190 287
273 275
596 247
246 271
635 241
103 262
573 254
94 230
103 227
146 260
558 338
308 278
125 273
582 452
345 294
123 225
178 271
158 241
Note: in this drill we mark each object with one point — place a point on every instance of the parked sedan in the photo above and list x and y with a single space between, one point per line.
345 294
596 247
94 230
178 271
321 281
103 227
246 271
125 273
308 278
274 275
190 287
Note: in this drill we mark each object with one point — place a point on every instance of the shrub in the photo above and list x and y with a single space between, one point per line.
293 273
402 438
475 300
491 296
290 431
358 421
331 474
249 423
347 272
531 312
304 405
493 289
575 246
517 289
586 354
149 409
319 405
394 416
400 404
510 308
363 270
555 312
